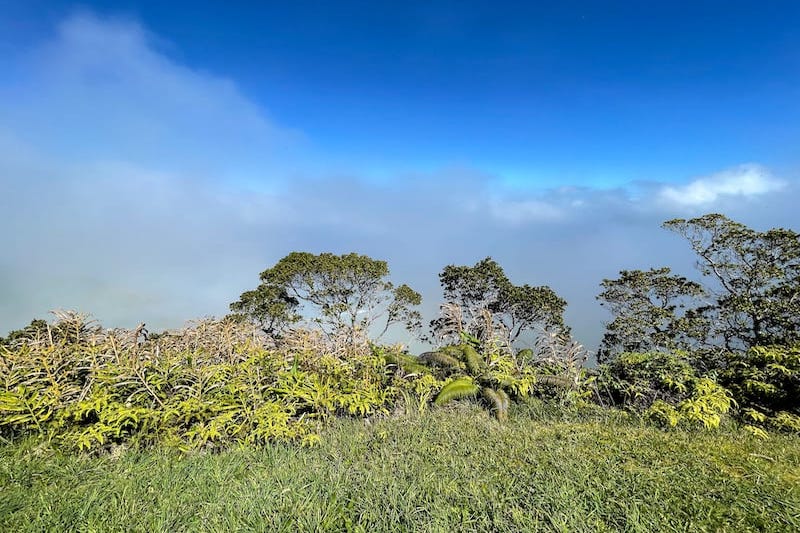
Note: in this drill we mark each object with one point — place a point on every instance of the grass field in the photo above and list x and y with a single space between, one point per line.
449 470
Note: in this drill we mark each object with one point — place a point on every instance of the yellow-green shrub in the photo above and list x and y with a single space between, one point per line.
215 383
665 389
765 380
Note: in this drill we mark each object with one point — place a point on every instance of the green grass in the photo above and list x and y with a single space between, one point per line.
450 470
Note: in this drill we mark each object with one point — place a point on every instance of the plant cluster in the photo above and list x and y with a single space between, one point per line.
665 388
737 333
766 383
212 384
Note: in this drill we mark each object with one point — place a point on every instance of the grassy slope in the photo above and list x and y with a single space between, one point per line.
454 470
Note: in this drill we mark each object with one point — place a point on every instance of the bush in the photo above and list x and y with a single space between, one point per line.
213 384
765 381
664 388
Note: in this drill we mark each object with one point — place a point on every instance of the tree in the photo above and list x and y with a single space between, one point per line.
757 278
647 313
36 330
486 287
269 306
340 293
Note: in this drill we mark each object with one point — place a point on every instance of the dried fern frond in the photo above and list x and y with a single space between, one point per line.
72 326
489 329
450 324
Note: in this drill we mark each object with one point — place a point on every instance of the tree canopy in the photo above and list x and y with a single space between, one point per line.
485 286
756 280
348 293
653 309
269 306
752 297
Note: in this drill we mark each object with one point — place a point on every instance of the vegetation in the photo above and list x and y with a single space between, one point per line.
345 292
455 469
646 306
766 383
756 278
739 334
315 424
485 287
213 384
666 389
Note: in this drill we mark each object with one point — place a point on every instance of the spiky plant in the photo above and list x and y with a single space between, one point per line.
484 372
560 361
463 387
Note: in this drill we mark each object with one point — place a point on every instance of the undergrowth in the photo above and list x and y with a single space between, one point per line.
212 385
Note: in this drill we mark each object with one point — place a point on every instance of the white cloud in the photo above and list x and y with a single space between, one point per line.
122 176
743 181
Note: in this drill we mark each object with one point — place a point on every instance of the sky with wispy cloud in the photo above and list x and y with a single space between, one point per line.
156 156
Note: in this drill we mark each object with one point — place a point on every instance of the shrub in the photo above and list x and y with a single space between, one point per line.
665 389
483 370
765 381
213 384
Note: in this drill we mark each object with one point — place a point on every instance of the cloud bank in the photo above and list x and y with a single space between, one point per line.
139 189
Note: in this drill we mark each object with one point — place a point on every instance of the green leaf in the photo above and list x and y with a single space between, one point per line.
460 388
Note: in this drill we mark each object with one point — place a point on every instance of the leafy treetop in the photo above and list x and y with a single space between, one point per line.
347 293
647 305
486 286
757 276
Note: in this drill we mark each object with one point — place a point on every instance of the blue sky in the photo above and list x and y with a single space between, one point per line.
169 151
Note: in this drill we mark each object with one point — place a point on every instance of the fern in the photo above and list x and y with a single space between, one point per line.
756 432
498 401
408 364
474 362
440 359
663 414
460 388
786 421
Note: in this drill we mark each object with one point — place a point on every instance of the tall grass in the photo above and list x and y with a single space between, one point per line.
205 429
454 469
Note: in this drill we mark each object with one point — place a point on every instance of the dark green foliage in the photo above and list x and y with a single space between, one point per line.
756 277
765 381
341 293
441 359
473 360
649 309
405 362
639 379
37 329
485 287
664 387
271 307
753 298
